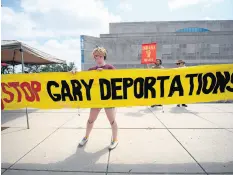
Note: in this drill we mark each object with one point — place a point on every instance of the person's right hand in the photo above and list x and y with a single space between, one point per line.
99 69
74 71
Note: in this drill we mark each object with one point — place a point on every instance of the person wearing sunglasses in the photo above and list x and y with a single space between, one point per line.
181 64
157 65
100 56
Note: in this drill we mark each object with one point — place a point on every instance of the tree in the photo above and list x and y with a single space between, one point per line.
32 68
6 69
29 68
58 67
50 68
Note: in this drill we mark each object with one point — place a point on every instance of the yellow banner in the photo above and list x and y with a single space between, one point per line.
118 88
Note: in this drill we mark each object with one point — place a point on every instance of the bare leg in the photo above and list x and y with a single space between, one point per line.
111 114
94 112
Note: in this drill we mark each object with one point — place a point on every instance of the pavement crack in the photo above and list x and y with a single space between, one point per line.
109 155
218 108
179 142
38 144
212 122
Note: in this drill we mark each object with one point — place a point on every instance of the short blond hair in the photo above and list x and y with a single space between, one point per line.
100 50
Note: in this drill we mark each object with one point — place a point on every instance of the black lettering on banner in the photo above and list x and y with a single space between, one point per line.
191 82
76 86
105 83
149 83
162 87
88 88
222 82
176 86
229 88
199 84
65 91
208 76
116 88
138 87
127 82
54 97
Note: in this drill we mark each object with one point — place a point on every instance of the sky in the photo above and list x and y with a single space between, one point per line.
55 26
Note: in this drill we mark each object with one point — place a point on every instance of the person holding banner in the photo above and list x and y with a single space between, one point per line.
158 65
100 55
181 64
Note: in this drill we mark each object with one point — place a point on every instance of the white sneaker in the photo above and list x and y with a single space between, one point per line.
83 142
113 145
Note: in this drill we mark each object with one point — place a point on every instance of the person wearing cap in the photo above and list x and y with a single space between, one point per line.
157 65
100 56
181 64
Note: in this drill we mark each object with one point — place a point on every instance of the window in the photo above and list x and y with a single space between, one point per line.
191 48
139 56
183 45
191 54
176 46
120 66
214 48
139 65
193 29
166 49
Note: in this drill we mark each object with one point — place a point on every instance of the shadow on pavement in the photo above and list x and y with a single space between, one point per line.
82 161
10 115
17 130
138 113
180 110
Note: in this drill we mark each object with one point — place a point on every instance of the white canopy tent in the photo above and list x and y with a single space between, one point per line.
14 52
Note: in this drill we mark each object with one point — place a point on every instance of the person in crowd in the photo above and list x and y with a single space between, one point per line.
181 64
157 65
100 56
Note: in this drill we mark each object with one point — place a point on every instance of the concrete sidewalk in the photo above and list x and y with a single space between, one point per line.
193 140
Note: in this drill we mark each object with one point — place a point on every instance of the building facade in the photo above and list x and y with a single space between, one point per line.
196 42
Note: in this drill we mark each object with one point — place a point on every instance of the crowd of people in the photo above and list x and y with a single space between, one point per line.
100 56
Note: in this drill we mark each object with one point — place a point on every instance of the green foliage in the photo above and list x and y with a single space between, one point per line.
50 68
6 69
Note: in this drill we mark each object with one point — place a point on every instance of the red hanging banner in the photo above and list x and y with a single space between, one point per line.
148 53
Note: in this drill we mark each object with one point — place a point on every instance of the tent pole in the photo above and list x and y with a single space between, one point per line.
14 62
27 118
22 62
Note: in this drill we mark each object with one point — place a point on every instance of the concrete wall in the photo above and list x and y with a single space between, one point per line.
124 50
169 26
